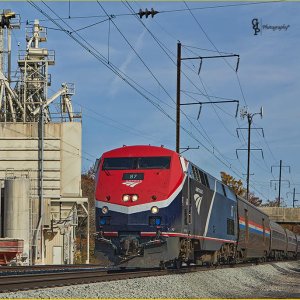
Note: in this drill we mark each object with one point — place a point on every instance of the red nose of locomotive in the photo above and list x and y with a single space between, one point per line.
137 175
133 187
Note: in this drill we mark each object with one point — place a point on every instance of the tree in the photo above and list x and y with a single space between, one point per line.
236 185
238 188
88 189
254 199
271 203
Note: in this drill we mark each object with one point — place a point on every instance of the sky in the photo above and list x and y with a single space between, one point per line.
141 109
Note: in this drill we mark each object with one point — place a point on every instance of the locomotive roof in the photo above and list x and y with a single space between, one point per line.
139 150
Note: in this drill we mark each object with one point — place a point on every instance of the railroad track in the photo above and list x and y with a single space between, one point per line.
54 276
11 270
21 282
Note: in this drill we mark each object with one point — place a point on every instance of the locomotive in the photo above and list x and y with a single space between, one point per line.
156 208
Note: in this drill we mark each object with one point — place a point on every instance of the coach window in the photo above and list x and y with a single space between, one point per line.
246 226
264 232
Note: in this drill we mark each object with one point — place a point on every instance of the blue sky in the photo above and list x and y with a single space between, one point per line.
115 114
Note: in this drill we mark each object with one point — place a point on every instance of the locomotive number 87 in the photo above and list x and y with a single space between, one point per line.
154 207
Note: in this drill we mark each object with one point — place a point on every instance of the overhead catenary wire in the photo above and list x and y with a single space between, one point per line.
110 66
259 165
162 12
94 53
153 36
145 26
160 44
212 43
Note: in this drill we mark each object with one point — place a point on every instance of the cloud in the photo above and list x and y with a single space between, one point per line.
138 46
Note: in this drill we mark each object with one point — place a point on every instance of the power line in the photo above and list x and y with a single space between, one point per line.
219 6
160 44
83 43
204 49
212 43
172 60
164 11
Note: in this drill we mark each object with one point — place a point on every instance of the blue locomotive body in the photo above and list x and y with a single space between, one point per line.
182 214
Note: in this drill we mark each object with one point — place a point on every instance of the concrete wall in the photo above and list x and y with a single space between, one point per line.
62 156
19 157
283 214
71 159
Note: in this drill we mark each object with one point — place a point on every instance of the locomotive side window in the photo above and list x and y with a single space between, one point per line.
199 176
229 193
196 174
203 177
211 182
220 189
133 163
224 192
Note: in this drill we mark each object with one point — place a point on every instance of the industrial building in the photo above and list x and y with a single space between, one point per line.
40 151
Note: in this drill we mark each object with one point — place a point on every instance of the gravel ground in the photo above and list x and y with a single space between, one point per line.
277 280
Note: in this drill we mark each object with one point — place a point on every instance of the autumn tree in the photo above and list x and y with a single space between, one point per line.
254 199
88 189
238 188
234 184
271 203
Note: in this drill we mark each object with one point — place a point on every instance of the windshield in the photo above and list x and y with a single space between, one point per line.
133 163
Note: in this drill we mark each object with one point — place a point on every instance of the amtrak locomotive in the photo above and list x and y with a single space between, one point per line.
154 207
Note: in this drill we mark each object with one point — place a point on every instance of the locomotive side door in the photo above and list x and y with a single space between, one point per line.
187 207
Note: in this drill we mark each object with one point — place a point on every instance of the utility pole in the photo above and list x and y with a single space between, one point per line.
178 97
294 200
246 113
294 194
279 189
280 180
178 101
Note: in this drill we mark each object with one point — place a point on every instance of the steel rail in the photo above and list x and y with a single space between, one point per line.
22 281
44 280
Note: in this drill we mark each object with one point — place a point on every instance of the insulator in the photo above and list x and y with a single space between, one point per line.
141 13
147 13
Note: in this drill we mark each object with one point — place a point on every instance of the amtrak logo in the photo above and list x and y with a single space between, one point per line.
132 183
198 200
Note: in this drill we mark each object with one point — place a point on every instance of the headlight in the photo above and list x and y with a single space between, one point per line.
126 198
134 198
104 209
154 209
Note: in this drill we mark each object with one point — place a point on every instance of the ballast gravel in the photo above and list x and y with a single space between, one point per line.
276 280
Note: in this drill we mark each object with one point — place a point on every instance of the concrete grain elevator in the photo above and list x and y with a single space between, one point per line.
40 151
